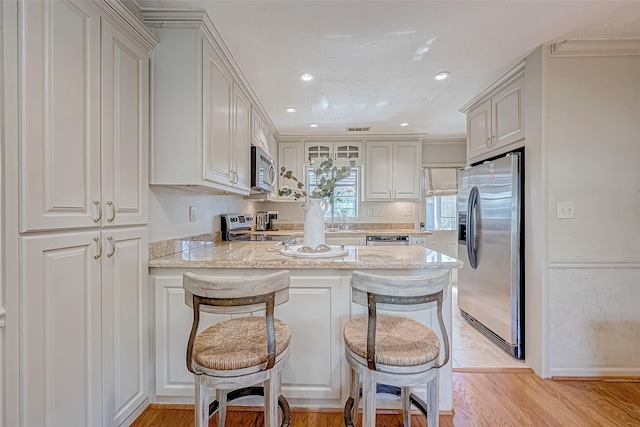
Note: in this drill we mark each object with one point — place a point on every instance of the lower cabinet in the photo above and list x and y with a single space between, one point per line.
313 372
345 240
84 326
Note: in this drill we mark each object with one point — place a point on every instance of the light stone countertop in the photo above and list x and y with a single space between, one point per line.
349 232
266 255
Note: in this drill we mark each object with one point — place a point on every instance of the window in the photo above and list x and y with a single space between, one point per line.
441 212
345 199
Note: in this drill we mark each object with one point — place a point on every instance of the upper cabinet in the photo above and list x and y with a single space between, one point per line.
204 120
392 170
260 132
495 119
341 152
84 143
290 156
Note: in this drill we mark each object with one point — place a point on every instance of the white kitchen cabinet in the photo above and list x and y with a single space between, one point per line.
309 309
341 239
392 170
84 326
341 152
125 323
85 146
259 130
59 92
496 124
125 129
60 321
290 156
199 110
241 138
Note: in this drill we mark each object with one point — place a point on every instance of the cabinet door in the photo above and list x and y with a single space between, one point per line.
241 140
378 170
125 123
316 332
317 151
173 319
344 153
217 141
508 122
406 170
59 94
479 130
60 330
290 156
125 325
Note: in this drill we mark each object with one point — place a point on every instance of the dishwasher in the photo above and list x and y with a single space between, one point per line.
387 240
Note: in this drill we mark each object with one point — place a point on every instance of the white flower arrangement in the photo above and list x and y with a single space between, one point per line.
327 175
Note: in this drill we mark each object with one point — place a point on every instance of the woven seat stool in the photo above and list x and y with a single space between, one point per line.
241 356
389 353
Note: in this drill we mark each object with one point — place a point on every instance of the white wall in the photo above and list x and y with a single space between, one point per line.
169 212
591 151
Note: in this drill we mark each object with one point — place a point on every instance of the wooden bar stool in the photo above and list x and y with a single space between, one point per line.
235 355
393 353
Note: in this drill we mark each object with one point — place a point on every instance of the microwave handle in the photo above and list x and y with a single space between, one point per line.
271 175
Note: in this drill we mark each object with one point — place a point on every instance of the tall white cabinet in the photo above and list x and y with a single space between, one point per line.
82 205
392 170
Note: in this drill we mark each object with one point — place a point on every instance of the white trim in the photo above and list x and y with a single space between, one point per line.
128 22
445 140
569 265
577 48
302 138
513 74
594 372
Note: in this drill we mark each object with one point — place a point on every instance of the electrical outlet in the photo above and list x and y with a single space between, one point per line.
375 212
565 210
369 212
407 211
379 212
192 214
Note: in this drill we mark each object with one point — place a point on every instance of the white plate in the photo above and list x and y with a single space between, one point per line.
336 251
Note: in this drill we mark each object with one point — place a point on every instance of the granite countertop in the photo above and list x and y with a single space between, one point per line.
266 255
350 232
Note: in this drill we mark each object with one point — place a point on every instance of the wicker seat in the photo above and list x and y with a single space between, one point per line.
234 355
392 353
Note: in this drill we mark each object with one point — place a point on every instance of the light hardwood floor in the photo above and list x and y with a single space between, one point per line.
515 397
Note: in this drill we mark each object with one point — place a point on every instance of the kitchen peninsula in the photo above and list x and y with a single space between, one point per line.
318 309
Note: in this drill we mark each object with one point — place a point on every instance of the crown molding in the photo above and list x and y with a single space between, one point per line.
128 22
342 137
595 47
513 74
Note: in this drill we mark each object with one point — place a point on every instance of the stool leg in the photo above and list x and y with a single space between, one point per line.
368 399
405 394
222 406
271 394
355 393
433 416
202 402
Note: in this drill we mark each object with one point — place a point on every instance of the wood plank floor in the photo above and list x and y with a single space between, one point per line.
514 398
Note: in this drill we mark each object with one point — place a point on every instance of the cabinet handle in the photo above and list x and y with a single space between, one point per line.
112 246
99 207
493 141
113 211
99 245
488 143
389 193
395 195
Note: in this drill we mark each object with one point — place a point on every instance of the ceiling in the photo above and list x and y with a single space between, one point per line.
373 61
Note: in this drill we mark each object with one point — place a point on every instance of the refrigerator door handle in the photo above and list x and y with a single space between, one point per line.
472 241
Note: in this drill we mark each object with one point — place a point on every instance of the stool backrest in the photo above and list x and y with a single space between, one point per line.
400 293
228 288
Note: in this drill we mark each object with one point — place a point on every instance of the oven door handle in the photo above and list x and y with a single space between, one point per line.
271 175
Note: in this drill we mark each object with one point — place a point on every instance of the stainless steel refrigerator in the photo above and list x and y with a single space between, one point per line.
491 284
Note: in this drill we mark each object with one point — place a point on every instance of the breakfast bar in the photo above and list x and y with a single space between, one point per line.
319 307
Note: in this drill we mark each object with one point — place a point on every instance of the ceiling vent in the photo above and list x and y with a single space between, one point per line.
360 129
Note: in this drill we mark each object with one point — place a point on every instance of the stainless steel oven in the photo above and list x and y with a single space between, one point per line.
387 240
263 171
236 226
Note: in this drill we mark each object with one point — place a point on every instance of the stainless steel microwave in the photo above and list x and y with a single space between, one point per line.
263 171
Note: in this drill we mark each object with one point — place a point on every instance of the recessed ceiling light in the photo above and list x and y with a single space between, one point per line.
441 75
313 125
290 110
404 124
307 77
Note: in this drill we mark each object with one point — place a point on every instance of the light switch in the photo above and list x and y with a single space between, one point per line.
192 214
565 210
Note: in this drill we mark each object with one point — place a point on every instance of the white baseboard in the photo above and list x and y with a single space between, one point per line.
135 414
595 372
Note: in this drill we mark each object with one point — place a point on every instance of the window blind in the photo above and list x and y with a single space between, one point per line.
440 181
